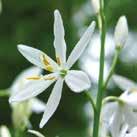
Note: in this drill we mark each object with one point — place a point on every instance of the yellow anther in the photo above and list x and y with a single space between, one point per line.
45 60
58 60
133 90
34 78
49 68
49 78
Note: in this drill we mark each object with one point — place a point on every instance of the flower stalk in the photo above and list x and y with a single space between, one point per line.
112 68
101 73
4 93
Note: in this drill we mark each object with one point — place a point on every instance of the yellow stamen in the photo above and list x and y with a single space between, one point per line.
50 78
133 90
34 78
45 60
58 60
49 68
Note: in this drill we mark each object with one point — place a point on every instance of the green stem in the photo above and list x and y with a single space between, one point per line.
4 93
111 69
101 73
112 98
91 101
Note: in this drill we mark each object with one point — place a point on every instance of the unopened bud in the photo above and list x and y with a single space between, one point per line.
121 32
96 5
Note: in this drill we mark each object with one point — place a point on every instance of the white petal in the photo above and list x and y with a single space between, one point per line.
121 32
130 117
133 133
31 89
37 105
20 80
123 131
4 132
38 134
59 42
53 102
107 111
77 80
34 56
81 45
116 122
130 97
124 83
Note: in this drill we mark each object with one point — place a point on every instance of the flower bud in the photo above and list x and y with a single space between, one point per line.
4 132
121 32
96 5
21 113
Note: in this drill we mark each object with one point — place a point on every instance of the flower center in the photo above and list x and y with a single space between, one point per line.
63 73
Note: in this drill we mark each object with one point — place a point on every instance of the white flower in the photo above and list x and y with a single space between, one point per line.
121 32
76 80
95 5
4 132
123 114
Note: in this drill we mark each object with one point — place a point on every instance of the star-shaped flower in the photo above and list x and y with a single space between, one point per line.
60 71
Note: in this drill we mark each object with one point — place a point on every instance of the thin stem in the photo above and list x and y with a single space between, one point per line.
101 73
91 101
111 69
111 98
4 93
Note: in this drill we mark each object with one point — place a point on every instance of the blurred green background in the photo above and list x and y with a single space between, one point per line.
30 22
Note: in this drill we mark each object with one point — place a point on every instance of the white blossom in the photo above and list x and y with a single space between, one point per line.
124 114
60 71
4 132
121 32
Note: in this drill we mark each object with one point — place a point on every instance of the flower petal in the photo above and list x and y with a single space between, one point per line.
77 80
32 89
53 102
116 122
21 80
130 97
34 132
133 133
59 42
81 45
37 105
107 111
35 57
4 132
130 117
124 83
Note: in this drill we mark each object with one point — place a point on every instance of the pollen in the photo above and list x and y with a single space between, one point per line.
58 60
45 60
34 78
49 78
49 68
